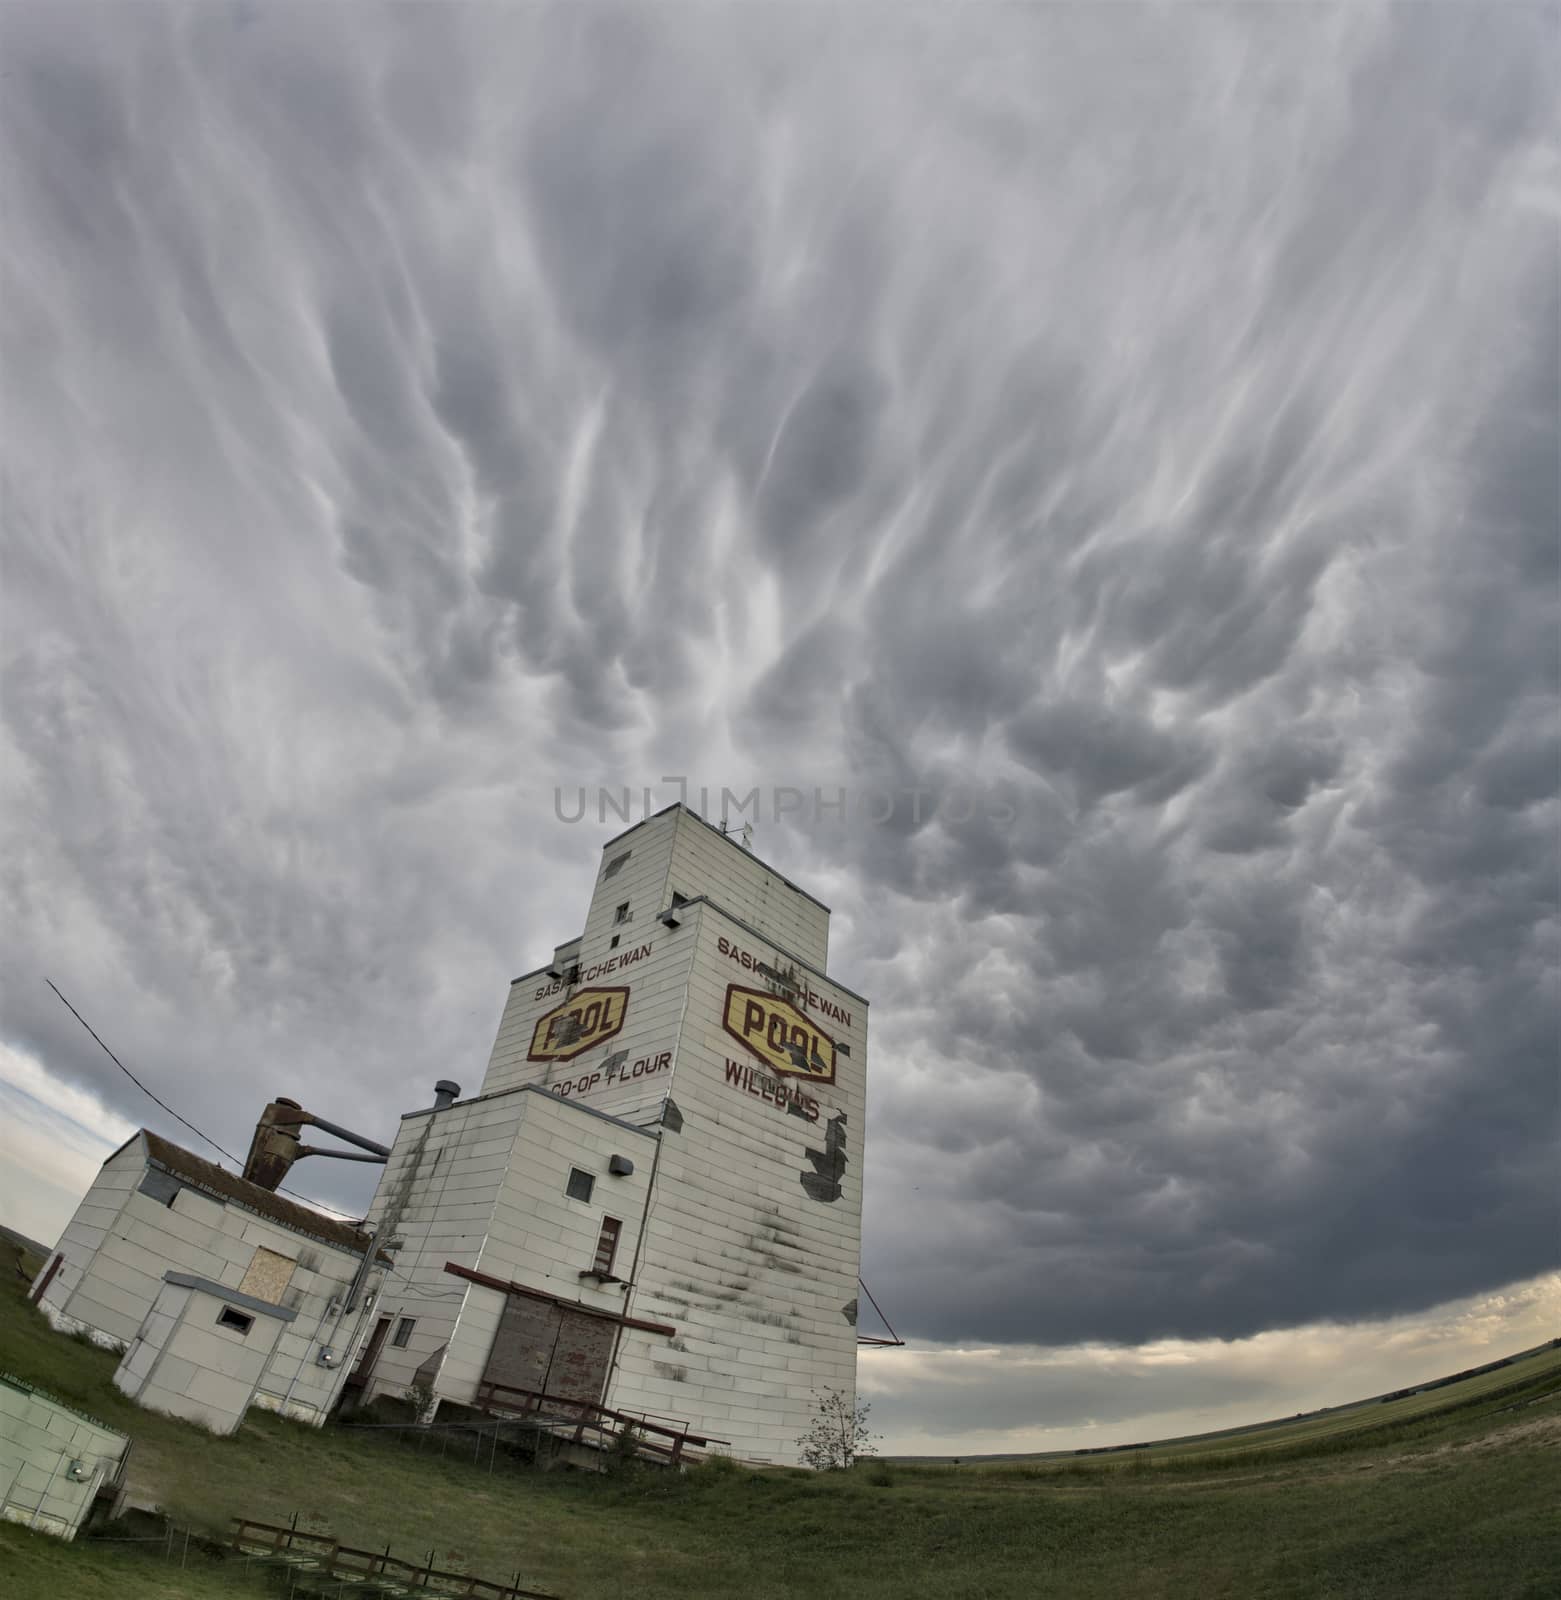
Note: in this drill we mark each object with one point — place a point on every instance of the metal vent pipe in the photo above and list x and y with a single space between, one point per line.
275 1146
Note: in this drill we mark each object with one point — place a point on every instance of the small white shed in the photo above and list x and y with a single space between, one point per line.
201 1351
53 1461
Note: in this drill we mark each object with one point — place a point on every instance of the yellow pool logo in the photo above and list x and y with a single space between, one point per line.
780 1035
588 1018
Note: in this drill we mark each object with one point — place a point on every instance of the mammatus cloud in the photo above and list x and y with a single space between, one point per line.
1148 418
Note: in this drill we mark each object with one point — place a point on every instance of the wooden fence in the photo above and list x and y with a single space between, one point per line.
369 1570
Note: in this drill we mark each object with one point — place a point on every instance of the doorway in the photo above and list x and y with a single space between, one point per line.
358 1379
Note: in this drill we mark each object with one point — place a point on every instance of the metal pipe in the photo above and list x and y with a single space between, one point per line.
344 1303
345 1133
339 1155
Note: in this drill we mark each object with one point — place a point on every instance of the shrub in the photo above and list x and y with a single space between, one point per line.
838 1433
623 1454
421 1397
715 1469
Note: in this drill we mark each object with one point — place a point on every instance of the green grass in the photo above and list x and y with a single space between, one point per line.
33 1564
1436 1503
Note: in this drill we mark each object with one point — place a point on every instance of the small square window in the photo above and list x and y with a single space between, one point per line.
678 899
615 866
580 1184
402 1337
622 913
612 944
236 1320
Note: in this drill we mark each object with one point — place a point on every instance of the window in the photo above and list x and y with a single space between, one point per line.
580 1184
615 866
402 1337
607 1245
622 913
236 1320
678 899
612 944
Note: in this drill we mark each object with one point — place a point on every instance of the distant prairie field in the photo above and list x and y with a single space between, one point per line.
1452 1493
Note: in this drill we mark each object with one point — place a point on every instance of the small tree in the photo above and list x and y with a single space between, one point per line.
838 1433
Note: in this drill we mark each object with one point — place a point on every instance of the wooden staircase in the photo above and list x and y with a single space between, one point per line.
597 1427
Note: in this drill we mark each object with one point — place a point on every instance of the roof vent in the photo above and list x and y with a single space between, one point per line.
445 1093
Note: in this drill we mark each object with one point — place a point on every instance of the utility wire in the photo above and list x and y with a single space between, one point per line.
346 1216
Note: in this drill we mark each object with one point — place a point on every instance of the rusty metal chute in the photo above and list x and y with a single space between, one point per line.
276 1146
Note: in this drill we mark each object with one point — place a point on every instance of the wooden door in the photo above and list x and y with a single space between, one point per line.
551 1351
358 1378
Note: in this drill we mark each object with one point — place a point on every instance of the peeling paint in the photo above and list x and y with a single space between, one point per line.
829 1164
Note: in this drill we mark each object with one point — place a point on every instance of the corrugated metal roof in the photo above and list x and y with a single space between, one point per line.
223 1185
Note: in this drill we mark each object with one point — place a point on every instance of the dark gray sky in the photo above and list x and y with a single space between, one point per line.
1136 428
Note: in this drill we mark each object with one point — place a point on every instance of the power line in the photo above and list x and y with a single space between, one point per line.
346 1216
137 1082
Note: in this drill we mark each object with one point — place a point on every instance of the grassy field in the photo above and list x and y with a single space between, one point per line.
1459 1499
1317 1431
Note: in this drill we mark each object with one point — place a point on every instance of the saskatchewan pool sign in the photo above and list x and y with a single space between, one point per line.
587 1018
780 1035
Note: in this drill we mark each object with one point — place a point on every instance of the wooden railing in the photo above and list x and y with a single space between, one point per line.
587 1417
316 1552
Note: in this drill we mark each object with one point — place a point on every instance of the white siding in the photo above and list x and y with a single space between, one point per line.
482 1184
121 1241
737 881
756 1274
184 1363
85 1233
634 1089
39 1439
755 1269
439 1189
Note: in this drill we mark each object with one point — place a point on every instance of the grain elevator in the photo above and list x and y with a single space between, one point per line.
654 1201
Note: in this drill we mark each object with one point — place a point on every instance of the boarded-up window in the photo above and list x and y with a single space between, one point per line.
268 1276
607 1244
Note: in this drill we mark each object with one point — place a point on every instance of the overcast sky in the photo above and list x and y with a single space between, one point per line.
1133 431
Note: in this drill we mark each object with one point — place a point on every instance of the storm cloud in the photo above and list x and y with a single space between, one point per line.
1141 423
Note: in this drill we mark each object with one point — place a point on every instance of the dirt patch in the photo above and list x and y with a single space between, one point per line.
1542 1430
1545 1431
